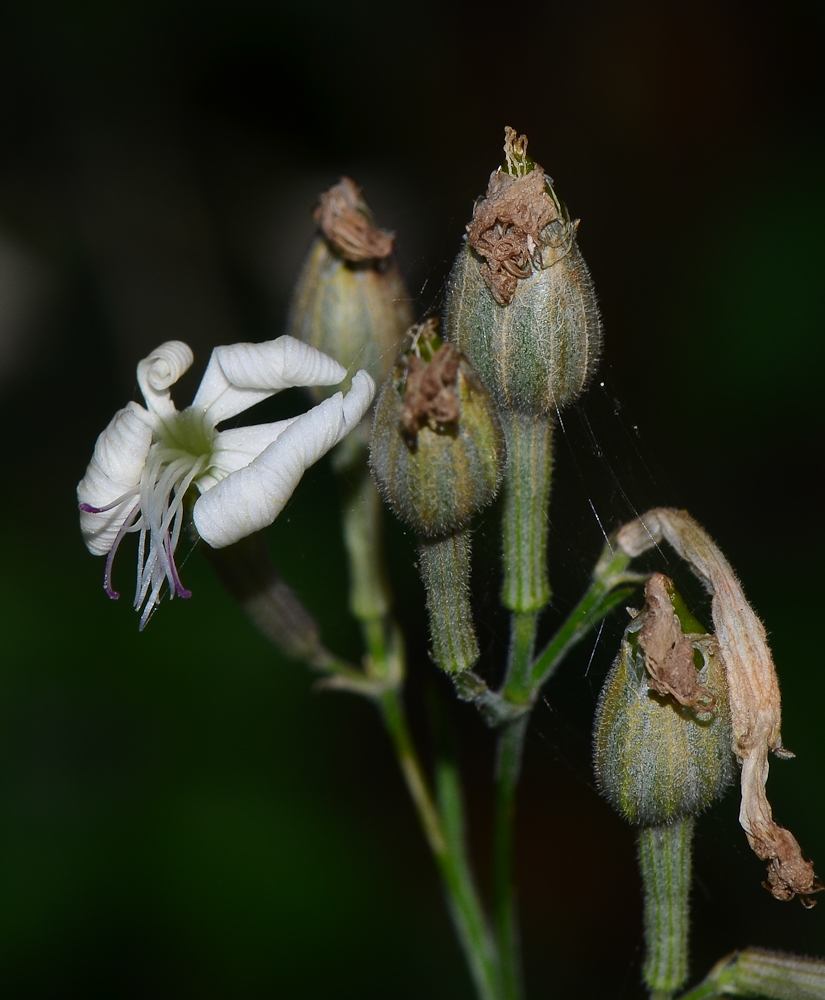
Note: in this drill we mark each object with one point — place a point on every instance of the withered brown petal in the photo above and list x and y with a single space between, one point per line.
342 218
668 651
430 393
513 201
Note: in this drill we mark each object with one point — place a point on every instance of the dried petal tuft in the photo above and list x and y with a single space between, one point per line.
431 393
345 221
669 652
507 224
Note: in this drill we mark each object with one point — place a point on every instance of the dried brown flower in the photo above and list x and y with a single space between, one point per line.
669 652
345 221
754 691
431 393
508 221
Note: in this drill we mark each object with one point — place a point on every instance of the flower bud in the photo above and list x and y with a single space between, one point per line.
662 728
521 302
437 447
350 301
437 453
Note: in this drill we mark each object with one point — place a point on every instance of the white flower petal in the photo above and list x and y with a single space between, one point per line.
252 497
357 401
240 375
115 470
160 370
238 447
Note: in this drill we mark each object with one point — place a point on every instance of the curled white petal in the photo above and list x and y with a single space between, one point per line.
278 364
236 448
357 401
114 472
252 497
160 370
240 375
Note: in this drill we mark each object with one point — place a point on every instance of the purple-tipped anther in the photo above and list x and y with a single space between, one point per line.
110 558
180 590
87 508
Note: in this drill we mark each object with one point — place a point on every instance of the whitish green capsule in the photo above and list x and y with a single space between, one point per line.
350 301
437 449
520 300
662 730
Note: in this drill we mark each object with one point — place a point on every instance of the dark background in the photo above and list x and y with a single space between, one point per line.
179 811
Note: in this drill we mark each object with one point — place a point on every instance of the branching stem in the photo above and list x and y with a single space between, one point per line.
442 821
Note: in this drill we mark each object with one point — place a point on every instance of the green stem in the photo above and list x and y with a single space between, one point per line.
522 684
508 770
704 991
510 751
492 706
525 592
451 807
445 569
385 662
779 977
448 847
757 973
665 862
526 495
517 685
607 590
602 595
369 596
395 719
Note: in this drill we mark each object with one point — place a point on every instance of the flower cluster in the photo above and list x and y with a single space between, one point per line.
148 458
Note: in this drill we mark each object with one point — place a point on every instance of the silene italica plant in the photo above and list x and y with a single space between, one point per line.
467 406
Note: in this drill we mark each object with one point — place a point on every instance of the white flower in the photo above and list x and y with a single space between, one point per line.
148 458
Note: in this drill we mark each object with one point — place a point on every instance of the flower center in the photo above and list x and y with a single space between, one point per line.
186 433
181 452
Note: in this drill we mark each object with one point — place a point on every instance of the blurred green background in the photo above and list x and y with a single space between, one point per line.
179 812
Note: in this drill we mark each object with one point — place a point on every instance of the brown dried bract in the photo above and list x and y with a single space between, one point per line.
789 874
508 220
344 220
431 392
669 652
752 687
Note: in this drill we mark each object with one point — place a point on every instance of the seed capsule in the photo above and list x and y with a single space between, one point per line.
350 301
437 448
662 729
521 302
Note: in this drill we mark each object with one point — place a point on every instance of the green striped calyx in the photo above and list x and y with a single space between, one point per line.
350 301
437 449
662 730
520 300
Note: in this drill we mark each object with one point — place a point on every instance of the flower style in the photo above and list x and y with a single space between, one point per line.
147 459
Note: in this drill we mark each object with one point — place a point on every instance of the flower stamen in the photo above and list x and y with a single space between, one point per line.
163 489
113 594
